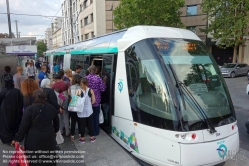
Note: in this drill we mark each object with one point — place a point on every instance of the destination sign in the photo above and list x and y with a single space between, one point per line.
189 46
162 45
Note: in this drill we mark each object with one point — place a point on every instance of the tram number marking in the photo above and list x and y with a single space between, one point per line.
172 161
217 134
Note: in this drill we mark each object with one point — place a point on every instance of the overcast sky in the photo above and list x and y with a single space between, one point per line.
28 25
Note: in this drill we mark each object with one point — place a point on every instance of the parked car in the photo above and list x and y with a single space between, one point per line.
234 69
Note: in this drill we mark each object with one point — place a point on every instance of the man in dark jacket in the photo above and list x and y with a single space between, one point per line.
5 76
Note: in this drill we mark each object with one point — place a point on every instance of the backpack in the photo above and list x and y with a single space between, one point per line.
89 93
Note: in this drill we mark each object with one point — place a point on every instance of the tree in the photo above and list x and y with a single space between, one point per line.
148 12
228 22
6 35
41 47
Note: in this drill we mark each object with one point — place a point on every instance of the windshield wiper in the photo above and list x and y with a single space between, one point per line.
210 125
178 85
181 86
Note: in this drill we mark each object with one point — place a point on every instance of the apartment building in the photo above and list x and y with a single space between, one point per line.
96 18
70 21
48 37
56 24
57 39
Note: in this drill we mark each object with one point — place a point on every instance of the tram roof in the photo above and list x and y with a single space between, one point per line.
121 40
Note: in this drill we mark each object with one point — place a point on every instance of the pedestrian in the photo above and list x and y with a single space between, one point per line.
68 75
97 85
78 70
61 88
56 68
42 75
27 63
5 76
51 98
27 88
76 86
39 125
86 116
18 77
38 66
105 97
50 94
30 71
11 105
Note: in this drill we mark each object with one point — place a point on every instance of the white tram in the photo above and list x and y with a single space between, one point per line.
169 104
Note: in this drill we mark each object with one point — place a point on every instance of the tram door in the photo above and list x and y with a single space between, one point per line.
108 69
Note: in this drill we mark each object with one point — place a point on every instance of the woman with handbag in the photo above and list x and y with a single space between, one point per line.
11 105
39 124
61 87
86 116
73 115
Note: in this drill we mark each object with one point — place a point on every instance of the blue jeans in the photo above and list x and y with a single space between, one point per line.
96 111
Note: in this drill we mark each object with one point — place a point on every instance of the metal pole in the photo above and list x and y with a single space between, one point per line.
112 19
9 22
16 29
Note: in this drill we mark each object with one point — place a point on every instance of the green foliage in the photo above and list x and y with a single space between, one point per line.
41 47
228 20
148 12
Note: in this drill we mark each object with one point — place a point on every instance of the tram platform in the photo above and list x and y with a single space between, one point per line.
103 152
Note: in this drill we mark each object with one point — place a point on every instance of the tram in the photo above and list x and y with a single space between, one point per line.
169 104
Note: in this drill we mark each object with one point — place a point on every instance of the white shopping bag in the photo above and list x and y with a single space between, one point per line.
59 138
101 117
76 104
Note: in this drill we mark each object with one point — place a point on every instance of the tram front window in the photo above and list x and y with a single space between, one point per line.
149 79
200 79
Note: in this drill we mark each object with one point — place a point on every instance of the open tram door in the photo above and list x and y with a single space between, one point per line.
108 68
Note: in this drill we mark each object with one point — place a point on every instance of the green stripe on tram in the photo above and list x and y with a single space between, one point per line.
59 53
95 51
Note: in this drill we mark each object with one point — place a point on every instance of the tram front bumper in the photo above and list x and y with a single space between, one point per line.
209 153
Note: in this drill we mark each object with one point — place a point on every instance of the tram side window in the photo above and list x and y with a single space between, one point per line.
150 101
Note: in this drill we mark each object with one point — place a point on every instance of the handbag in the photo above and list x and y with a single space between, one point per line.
59 138
19 158
101 117
77 102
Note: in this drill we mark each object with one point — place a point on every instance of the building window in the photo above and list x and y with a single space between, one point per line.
92 34
91 1
86 36
191 10
82 37
85 4
92 17
192 28
86 21
81 23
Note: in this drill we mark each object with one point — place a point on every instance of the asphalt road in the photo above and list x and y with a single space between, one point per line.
237 89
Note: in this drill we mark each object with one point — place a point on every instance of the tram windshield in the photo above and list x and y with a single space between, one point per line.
203 86
175 84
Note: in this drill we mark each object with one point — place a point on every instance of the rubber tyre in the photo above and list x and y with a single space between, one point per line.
221 164
232 75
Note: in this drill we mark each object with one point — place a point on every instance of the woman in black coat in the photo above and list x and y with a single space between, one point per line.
40 122
11 110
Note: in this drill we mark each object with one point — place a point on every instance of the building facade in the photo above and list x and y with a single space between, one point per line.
56 24
57 39
48 37
70 21
96 18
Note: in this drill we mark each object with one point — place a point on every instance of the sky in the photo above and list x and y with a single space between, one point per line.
29 25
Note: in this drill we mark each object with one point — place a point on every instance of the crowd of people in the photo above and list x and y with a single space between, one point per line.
36 109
